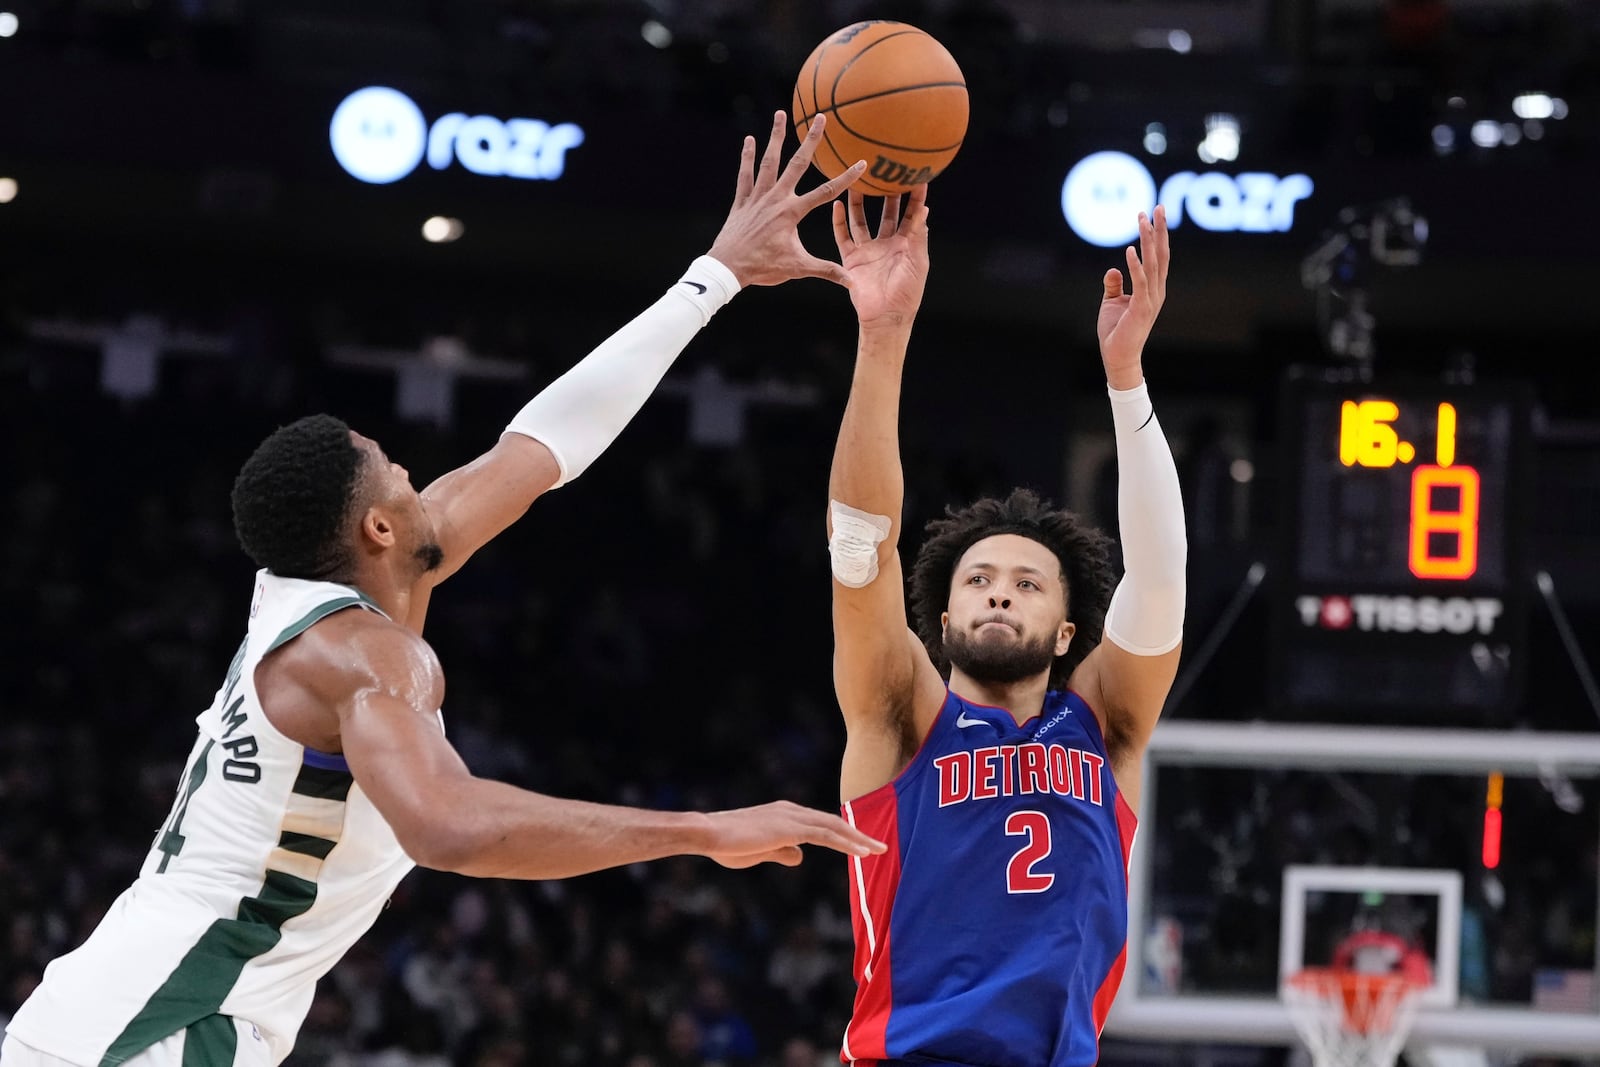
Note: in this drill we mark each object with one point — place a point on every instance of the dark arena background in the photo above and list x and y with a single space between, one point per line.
1376 367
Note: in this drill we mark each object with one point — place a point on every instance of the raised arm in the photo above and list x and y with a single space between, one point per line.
386 686
555 437
1129 674
888 689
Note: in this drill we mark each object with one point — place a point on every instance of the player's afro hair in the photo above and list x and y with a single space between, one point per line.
293 498
1083 551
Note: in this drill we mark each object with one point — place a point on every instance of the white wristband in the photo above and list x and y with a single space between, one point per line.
1130 408
708 285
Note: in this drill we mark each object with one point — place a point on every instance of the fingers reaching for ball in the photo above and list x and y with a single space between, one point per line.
759 240
906 214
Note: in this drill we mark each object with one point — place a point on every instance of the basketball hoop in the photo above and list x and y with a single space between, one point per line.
1349 1019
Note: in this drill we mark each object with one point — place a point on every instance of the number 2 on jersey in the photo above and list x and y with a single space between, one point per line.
1020 875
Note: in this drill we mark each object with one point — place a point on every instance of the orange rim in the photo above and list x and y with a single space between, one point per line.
1367 1002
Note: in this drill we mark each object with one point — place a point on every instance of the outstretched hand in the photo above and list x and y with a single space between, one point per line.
760 240
1126 319
889 268
774 833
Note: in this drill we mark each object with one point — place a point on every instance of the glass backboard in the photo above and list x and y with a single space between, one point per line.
1261 846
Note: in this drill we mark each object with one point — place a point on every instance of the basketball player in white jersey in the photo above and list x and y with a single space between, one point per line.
321 773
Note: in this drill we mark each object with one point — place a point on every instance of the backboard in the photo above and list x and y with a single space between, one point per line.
1324 908
1257 842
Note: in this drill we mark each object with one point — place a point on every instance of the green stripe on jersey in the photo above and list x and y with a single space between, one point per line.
314 616
209 970
306 844
322 782
210 1042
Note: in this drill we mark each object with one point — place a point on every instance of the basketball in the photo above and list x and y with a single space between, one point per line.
894 96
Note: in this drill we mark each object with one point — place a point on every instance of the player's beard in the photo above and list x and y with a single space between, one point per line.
430 556
997 659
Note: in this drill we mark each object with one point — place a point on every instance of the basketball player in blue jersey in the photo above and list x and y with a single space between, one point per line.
321 773
996 747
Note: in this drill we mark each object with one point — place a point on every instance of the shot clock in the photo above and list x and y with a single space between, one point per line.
1400 592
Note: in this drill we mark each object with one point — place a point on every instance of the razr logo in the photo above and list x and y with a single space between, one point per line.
1103 194
379 135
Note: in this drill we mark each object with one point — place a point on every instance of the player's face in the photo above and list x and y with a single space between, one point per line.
390 487
1007 616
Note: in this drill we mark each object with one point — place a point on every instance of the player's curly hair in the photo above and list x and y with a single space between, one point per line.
294 496
1083 551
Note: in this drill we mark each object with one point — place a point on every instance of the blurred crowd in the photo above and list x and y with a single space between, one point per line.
655 634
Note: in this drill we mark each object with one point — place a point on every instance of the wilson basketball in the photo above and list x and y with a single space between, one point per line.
894 96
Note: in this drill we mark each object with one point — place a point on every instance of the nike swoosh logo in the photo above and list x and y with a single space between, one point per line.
963 722
697 286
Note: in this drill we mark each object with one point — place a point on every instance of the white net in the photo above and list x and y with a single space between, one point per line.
1348 1019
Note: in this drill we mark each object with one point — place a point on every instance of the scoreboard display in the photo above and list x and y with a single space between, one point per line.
1400 592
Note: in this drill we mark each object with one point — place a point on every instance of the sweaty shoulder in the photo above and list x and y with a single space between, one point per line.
308 685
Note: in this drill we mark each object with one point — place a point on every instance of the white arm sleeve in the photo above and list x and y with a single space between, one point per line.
580 413
1146 612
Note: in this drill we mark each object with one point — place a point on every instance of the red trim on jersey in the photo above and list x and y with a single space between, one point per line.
1023 725
1127 824
1108 990
873 883
888 787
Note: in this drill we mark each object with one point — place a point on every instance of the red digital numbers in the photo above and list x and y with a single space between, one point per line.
1443 533
1444 522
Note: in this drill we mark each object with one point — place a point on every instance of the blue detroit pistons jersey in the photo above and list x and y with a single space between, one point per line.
993 931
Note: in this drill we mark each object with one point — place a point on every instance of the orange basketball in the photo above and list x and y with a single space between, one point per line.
894 96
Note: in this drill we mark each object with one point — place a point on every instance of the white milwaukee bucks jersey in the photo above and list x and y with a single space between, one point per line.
271 864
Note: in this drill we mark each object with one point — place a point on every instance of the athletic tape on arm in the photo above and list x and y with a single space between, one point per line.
853 546
578 415
1146 612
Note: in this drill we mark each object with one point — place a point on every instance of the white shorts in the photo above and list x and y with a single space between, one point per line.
216 1041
